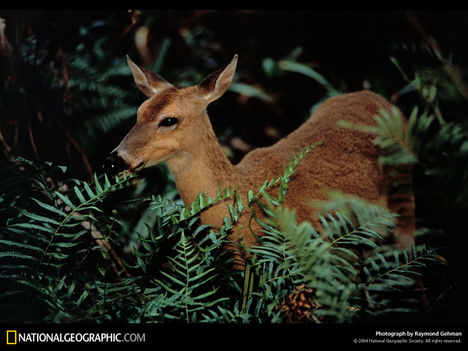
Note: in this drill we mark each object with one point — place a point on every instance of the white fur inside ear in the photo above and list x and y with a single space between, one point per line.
223 81
141 79
143 83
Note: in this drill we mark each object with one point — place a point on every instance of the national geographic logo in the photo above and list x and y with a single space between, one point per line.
14 338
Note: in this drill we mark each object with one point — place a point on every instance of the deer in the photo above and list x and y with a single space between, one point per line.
173 127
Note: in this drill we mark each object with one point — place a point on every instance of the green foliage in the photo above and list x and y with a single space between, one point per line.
346 284
44 239
197 284
400 144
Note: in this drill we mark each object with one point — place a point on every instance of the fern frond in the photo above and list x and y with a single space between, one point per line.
400 144
183 283
395 268
201 203
43 237
329 262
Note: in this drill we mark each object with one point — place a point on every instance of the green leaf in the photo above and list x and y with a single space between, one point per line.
97 185
79 194
49 207
17 255
250 91
83 296
88 190
38 218
65 199
309 72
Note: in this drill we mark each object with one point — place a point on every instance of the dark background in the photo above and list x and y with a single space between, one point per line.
60 57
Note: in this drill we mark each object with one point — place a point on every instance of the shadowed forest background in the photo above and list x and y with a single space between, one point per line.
67 98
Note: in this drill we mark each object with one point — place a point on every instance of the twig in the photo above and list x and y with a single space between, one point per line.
6 147
33 142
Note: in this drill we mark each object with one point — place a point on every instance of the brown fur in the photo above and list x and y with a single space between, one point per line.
347 160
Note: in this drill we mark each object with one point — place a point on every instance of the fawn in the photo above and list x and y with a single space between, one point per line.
173 127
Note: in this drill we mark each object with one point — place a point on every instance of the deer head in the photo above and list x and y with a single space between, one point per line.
172 122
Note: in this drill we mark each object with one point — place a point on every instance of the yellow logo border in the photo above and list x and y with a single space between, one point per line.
7 338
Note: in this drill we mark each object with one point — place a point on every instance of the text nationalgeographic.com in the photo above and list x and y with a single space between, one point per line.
14 337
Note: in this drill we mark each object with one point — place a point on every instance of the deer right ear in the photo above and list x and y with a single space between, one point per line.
218 82
148 82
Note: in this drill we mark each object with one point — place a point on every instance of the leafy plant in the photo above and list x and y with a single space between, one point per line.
197 283
44 240
342 264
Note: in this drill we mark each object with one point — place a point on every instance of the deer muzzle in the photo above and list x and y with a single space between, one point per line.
114 164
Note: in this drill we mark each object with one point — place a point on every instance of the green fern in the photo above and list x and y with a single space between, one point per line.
188 275
199 286
329 262
389 277
46 237
400 144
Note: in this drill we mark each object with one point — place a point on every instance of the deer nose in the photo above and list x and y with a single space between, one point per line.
114 164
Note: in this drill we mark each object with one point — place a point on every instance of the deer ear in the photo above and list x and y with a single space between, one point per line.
149 82
216 84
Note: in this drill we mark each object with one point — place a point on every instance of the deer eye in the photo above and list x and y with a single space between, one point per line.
168 122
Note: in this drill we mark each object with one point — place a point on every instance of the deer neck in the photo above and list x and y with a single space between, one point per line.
205 169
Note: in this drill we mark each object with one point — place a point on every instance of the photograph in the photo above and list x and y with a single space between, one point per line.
169 172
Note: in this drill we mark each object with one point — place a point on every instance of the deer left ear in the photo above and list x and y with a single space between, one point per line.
216 84
149 82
